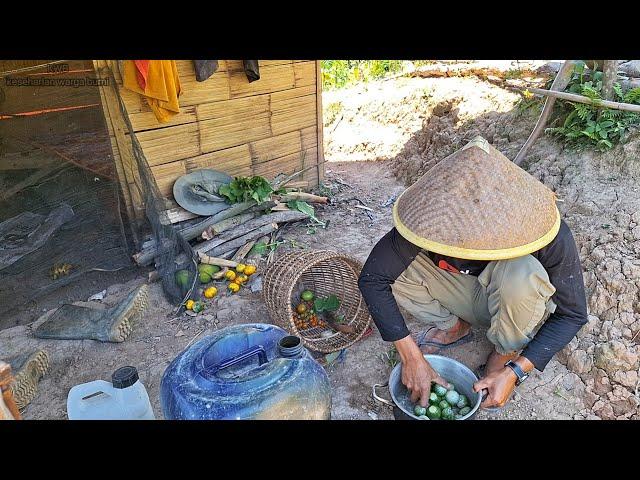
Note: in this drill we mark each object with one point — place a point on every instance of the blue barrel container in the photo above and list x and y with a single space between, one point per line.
251 371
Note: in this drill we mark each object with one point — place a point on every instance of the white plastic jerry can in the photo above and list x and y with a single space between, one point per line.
125 398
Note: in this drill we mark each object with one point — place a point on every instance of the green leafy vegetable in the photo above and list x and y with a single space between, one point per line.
242 189
324 304
305 208
262 248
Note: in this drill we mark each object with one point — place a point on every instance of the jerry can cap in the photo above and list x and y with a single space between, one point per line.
124 377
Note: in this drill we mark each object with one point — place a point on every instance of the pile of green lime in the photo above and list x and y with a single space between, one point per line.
445 403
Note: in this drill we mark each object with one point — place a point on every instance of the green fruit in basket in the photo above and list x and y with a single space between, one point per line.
439 390
464 411
447 414
452 397
433 412
443 404
307 295
419 410
204 277
434 399
463 402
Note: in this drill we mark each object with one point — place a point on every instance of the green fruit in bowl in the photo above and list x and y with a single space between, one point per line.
464 411
452 397
433 412
419 410
434 399
462 402
439 390
443 404
447 414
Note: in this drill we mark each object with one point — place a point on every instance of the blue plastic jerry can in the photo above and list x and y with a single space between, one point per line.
251 371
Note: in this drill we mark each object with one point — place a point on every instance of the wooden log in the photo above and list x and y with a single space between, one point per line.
237 257
307 197
240 241
276 217
196 230
176 215
146 256
229 223
220 262
572 97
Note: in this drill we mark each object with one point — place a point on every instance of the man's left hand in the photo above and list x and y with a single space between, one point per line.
499 384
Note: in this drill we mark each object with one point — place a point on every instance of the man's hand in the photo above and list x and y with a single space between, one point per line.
417 373
500 384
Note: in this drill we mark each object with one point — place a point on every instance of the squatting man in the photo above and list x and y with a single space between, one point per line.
477 241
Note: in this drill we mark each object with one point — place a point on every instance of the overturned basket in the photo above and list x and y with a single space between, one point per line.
325 273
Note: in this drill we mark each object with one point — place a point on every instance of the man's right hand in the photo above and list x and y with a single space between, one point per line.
417 373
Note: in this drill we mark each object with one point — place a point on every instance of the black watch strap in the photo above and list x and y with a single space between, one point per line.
522 376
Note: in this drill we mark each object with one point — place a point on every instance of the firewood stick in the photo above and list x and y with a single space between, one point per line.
240 241
219 221
237 257
307 197
276 217
220 262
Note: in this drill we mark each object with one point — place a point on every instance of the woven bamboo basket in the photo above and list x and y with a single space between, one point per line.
325 273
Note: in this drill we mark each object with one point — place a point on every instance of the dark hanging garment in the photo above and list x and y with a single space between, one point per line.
205 68
251 70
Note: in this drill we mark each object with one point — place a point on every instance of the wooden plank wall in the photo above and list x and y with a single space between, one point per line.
265 127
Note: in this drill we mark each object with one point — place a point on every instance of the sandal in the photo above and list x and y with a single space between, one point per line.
442 346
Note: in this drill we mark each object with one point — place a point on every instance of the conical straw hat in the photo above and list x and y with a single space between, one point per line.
476 204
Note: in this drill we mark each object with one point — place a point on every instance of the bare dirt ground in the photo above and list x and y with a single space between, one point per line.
380 137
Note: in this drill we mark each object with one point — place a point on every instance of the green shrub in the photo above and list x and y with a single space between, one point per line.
589 125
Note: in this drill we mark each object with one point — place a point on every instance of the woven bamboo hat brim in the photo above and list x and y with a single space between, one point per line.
476 204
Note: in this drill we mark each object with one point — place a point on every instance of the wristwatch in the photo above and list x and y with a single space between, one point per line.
522 376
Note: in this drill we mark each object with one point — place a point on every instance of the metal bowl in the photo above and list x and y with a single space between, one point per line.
449 369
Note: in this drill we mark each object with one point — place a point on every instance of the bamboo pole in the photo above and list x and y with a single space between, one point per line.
559 83
572 97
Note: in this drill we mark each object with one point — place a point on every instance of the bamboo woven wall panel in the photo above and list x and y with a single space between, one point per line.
214 89
272 79
275 147
217 136
293 114
264 127
146 120
287 164
234 161
304 73
166 175
232 111
165 145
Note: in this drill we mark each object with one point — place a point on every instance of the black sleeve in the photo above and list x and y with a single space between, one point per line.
561 261
389 258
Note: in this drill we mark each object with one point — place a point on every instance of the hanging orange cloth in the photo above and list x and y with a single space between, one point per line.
142 72
162 86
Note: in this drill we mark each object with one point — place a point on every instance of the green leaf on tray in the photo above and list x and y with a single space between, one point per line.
242 189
